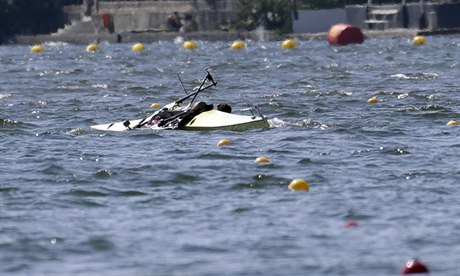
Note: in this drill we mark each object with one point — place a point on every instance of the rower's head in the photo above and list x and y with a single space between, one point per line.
224 107
201 106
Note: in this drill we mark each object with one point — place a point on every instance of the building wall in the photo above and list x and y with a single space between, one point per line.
356 15
151 15
413 15
316 21
214 14
448 16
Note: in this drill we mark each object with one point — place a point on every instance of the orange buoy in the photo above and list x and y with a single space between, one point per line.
414 266
38 48
288 44
419 40
343 34
350 223
373 100
452 123
262 159
299 184
223 142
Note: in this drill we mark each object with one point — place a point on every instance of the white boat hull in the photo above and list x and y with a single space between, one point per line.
118 126
209 120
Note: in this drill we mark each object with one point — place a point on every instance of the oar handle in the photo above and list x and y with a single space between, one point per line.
201 88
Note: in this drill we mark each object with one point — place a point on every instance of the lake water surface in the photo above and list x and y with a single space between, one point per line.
74 201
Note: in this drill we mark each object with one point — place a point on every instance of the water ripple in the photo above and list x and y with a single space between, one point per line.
73 198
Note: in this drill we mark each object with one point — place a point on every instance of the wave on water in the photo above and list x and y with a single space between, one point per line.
275 122
278 123
70 87
4 96
76 131
430 110
56 43
68 71
75 197
416 76
8 122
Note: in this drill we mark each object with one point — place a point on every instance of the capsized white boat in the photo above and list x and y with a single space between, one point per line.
207 120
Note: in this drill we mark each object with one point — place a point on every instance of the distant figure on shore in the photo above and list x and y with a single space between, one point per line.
87 6
173 22
189 24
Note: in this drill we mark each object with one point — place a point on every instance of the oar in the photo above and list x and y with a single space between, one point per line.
201 88
185 90
194 94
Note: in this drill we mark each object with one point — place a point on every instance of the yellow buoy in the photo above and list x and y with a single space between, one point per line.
373 100
452 123
419 40
155 105
138 47
189 44
37 49
289 44
237 45
223 142
262 159
92 47
299 184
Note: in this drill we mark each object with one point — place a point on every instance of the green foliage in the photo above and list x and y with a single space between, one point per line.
270 14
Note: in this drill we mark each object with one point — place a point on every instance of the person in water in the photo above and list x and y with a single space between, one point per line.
224 108
180 118
196 109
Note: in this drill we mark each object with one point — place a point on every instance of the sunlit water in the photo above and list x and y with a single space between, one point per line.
75 201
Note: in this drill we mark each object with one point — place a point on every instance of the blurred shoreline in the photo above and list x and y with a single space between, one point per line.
155 36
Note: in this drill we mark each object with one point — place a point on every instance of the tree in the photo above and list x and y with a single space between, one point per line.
270 14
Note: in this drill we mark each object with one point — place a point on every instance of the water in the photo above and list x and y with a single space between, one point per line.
80 202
